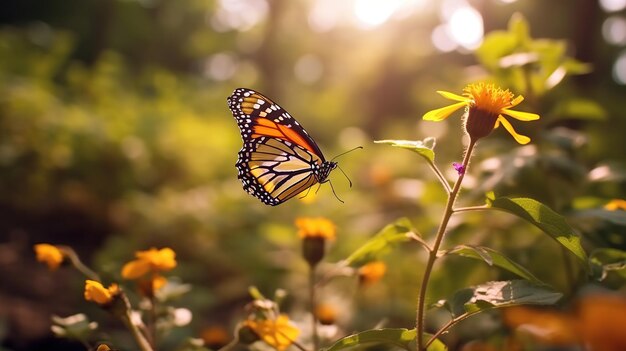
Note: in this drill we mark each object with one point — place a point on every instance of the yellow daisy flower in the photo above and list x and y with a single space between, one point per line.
50 255
279 333
315 228
372 272
616 204
486 105
150 261
96 292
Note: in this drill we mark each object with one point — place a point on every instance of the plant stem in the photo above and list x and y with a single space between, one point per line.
440 176
432 254
314 335
471 208
448 325
144 345
76 262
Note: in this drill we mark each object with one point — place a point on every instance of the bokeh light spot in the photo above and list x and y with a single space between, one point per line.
240 15
308 69
614 30
442 40
466 27
619 69
221 66
613 5
372 13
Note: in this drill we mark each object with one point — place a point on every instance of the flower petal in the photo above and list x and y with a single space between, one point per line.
135 269
522 116
454 97
521 139
442 113
517 101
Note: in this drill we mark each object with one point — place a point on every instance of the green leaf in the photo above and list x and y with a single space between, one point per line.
424 148
402 338
399 231
518 26
493 257
608 260
578 108
498 294
545 219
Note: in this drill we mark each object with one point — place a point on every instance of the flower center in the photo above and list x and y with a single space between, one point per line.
488 97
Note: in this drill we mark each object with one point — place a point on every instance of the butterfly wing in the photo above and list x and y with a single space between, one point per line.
278 157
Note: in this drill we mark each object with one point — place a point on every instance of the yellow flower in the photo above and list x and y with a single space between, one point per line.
50 255
486 106
372 272
278 333
150 261
315 228
616 204
215 337
96 292
326 313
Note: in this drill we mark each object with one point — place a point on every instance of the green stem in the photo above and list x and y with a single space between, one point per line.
440 176
144 345
448 325
471 208
76 262
314 335
432 254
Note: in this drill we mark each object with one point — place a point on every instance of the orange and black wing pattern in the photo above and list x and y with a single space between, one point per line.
278 159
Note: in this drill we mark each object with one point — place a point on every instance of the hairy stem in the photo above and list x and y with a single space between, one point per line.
315 337
432 254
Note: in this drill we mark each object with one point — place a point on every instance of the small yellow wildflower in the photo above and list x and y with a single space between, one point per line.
150 261
215 337
279 333
315 228
50 255
616 204
372 272
96 292
326 313
486 105
103 347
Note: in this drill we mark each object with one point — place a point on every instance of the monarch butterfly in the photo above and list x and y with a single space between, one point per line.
279 159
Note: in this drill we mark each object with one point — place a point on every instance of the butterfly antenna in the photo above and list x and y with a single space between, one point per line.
345 175
334 193
345 152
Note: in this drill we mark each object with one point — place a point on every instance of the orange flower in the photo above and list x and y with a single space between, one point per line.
96 292
215 337
50 255
150 261
279 333
372 272
601 320
549 327
486 107
597 322
326 314
616 204
315 228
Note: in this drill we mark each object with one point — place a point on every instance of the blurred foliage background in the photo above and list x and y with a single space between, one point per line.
115 136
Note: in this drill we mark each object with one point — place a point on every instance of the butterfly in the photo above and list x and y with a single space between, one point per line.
279 159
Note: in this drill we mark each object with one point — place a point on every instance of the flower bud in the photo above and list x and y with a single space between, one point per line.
313 249
479 123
